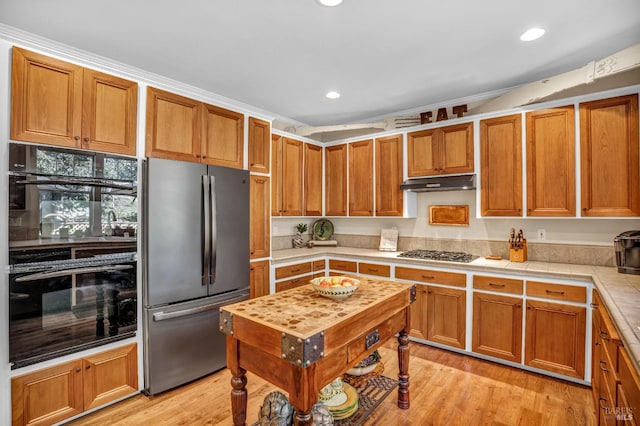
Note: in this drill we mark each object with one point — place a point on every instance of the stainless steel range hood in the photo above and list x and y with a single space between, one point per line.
440 183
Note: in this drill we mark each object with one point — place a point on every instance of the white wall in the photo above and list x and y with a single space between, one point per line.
583 230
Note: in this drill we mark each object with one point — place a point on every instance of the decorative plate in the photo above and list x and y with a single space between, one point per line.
322 229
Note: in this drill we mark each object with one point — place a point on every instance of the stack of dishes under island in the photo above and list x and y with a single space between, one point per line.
340 398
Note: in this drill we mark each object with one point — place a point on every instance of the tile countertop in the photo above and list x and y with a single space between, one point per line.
619 292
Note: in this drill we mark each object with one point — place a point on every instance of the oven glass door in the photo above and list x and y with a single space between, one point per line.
61 311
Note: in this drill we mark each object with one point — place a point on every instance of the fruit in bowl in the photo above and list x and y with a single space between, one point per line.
336 288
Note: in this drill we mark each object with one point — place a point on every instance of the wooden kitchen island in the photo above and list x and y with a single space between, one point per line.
300 341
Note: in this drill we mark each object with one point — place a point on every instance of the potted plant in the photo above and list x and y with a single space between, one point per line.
298 241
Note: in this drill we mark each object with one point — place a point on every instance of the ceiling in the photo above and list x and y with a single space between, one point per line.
383 56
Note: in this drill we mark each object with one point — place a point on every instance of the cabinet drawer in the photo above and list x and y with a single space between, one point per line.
320 264
374 269
570 293
504 285
342 265
605 367
629 382
293 283
431 276
291 270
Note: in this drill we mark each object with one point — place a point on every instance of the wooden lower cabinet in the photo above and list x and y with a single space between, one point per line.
446 316
47 396
497 326
50 395
110 375
555 337
419 313
615 380
259 279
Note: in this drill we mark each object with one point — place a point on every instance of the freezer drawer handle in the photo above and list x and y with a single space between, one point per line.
161 316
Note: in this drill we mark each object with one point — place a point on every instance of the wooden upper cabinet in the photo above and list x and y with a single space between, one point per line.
610 185
174 126
259 227
361 178
109 113
259 138
445 150
336 180
223 140
276 175
501 166
292 179
551 186
58 103
312 180
180 128
389 201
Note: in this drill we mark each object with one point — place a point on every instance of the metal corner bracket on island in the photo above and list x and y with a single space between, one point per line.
300 341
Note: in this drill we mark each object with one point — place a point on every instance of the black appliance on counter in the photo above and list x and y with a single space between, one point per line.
627 247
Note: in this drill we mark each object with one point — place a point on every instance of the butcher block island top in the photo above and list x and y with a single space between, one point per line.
301 341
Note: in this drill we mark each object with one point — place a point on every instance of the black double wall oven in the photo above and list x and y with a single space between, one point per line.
72 251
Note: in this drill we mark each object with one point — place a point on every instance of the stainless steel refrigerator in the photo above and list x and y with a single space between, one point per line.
196 259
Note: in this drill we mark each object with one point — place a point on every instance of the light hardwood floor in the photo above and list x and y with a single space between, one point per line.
446 389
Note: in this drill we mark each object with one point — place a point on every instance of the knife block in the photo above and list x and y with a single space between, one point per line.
518 254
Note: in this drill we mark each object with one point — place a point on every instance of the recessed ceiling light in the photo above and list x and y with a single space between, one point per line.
532 34
329 3
332 95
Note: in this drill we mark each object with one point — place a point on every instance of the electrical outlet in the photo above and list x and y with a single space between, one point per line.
542 234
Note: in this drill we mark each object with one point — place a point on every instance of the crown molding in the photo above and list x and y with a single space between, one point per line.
91 60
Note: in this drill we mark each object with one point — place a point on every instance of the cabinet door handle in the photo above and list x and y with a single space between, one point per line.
594 305
601 400
604 335
88 366
605 366
77 138
86 139
78 370
559 293
496 285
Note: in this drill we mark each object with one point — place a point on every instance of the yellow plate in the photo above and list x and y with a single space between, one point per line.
349 404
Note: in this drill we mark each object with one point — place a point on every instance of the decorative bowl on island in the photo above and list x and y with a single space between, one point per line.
336 288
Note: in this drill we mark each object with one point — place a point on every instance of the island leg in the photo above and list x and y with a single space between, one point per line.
403 366
238 384
302 418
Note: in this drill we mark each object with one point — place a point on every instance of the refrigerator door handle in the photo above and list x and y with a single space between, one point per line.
206 235
214 228
161 316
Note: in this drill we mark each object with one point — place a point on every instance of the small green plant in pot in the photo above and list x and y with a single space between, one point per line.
298 241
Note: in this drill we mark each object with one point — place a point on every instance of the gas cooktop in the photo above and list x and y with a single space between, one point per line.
449 256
